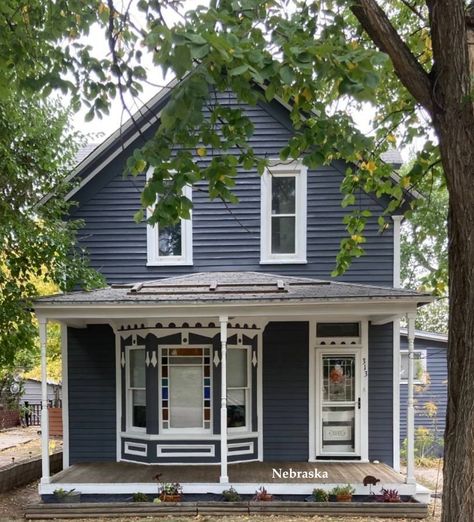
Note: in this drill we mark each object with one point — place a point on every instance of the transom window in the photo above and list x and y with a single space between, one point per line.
419 367
283 214
170 245
186 388
238 389
136 388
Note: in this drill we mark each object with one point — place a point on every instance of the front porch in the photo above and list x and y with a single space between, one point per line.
280 478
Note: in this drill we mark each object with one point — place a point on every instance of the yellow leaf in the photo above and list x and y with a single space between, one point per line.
307 94
391 138
102 8
370 166
351 66
201 151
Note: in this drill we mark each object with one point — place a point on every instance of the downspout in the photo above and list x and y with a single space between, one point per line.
411 405
44 403
224 479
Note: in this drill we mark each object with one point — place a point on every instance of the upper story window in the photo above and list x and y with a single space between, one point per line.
283 214
173 244
419 367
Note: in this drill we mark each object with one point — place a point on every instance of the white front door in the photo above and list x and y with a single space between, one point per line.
338 403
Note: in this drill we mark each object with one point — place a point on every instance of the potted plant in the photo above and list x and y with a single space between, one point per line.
64 496
262 495
390 495
319 495
231 495
343 493
171 492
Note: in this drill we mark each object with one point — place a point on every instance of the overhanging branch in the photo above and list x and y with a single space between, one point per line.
377 25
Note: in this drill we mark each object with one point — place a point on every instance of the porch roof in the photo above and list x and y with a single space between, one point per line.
232 287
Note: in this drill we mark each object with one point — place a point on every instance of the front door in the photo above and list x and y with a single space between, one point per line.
338 404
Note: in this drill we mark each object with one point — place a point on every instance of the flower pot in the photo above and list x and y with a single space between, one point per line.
266 498
344 498
165 497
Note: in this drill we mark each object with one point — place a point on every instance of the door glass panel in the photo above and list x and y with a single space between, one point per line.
338 378
186 397
338 429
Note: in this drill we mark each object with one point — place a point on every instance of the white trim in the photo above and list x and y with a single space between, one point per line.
396 395
259 385
248 451
429 336
422 358
209 450
141 449
65 395
396 250
312 389
245 488
129 390
189 437
410 479
224 478
118 397
364 391
299 171
45 475
153 243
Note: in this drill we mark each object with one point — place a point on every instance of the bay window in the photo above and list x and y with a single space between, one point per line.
136 389
238 388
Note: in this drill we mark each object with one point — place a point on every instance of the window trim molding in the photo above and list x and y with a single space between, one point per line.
152 238
299 171
424 361
247 390
130 428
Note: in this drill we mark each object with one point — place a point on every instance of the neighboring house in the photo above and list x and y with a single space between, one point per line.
431 388
32 391
223 339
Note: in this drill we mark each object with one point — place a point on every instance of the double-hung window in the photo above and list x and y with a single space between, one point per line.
238 389
283 214
136 388
419 367
172 244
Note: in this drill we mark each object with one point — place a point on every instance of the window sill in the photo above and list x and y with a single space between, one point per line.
416 383
169 263
283 262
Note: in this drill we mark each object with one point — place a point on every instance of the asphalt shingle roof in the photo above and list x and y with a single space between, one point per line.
215 287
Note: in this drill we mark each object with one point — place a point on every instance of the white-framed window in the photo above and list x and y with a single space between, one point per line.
136 388
185 389
419 367
283 213
239 389
172 244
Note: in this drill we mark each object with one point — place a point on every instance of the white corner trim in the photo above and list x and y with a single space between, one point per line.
299 171
118 396
396 394
259 385
397 220
152 232
65 394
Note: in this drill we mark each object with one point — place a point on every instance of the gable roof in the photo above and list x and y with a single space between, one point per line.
142 119
429 336
233 287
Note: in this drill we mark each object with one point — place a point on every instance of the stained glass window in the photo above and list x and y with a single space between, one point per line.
186 388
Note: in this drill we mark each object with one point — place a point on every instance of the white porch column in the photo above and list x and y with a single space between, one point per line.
224 479
44 403
411 406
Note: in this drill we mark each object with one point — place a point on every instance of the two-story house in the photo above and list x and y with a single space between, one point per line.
222 343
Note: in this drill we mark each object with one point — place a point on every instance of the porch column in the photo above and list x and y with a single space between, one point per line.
44 403
224 479
411 405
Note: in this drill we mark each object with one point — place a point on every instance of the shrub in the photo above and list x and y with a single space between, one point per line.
231 495
319 495
140 497
342 490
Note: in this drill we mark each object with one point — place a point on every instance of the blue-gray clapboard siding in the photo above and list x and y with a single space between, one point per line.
285 391
381 393
91 387
223 239
436 391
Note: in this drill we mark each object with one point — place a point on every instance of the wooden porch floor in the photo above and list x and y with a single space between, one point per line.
249 472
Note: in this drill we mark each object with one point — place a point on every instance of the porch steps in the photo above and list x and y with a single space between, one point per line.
45 511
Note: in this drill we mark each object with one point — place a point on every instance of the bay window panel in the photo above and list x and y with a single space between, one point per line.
236 368
139 408
137 368
236 408
283 234
186 396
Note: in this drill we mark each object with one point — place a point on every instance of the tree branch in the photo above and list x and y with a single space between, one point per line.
377 25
